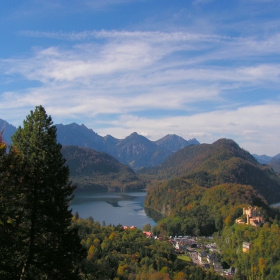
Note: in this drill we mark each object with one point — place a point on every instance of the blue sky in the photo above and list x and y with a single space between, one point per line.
199 69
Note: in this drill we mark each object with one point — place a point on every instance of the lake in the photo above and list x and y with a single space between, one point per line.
125 208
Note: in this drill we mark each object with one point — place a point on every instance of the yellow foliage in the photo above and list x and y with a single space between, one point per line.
228 220
180 276
123 269
262 264
189 206
160 276
164 269
91 252
113 236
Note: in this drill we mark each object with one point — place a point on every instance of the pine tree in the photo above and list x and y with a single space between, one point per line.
51 248
12 198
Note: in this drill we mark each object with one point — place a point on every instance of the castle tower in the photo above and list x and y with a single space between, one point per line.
248 219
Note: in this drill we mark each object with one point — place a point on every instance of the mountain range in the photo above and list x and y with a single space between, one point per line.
135 150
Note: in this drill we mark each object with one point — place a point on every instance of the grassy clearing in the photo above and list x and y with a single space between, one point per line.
185 258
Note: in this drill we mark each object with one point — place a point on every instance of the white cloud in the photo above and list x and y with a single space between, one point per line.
150 56
134 74
199 134
145 134
148 36
250 132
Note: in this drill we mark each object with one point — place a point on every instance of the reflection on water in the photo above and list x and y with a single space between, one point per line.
152 213
113 199
112 208
275 204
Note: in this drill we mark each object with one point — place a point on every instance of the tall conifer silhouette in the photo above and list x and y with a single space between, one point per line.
50 247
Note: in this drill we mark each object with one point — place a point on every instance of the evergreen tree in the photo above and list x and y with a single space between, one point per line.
11 212
49 247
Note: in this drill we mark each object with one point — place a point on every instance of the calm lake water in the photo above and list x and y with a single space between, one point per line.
275 204
126 208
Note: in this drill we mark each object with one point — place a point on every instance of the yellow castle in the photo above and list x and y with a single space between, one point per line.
253 217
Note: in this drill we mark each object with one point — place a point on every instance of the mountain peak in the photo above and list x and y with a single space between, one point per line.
174 143
134 134
8 130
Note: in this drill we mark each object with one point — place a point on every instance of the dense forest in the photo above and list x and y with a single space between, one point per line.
275 163
208 165
263 259
195 210
212 185
116 253
99 171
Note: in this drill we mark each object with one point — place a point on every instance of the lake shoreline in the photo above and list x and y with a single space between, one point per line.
125 208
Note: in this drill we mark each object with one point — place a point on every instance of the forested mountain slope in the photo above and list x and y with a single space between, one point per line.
99 171
189 209
208 165
79 135
275 163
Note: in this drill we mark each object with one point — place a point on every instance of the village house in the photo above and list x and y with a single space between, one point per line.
217 265
177 245
182 243
131 227
210 258
246 247
201 256
215 262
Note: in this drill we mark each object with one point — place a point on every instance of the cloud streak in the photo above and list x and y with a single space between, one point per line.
136 51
